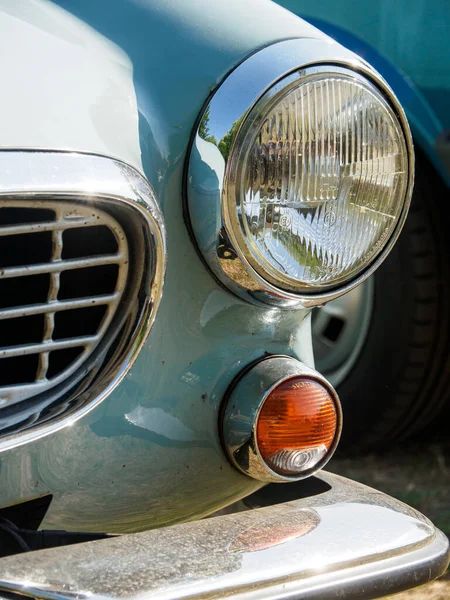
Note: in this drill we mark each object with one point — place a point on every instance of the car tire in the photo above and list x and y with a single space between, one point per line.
399 381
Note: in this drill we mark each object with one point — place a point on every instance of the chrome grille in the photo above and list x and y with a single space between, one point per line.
63 270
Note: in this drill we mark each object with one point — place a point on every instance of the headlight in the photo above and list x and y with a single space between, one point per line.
316 180
316 187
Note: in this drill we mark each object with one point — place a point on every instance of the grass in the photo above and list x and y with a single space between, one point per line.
418 475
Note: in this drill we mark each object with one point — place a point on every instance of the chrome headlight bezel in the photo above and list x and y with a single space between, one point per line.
251 84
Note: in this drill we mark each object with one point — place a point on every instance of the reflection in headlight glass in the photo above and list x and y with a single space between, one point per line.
322 175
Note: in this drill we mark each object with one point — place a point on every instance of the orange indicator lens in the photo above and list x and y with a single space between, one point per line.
296 426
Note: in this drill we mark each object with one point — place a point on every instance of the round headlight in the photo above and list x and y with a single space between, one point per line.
316 180
297 193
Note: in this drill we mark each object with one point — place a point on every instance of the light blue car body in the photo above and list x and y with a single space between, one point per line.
128 79
405 41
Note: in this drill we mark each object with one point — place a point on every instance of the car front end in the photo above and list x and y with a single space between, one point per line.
181 185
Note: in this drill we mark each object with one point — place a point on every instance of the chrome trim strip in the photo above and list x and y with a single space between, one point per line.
350 541
232 101
54 176
241 408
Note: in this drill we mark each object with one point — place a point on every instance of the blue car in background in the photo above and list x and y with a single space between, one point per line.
385 345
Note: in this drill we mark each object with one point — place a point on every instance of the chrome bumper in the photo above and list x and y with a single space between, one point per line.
347 542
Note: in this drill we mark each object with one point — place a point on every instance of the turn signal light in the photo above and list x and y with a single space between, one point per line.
296 425
281 420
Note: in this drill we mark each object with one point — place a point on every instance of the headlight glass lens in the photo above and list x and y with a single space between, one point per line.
318 176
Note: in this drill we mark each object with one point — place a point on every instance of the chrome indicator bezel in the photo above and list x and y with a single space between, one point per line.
241 408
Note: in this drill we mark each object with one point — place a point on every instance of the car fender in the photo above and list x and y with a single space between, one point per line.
127 80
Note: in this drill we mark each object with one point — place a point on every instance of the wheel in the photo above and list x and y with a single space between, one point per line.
385 345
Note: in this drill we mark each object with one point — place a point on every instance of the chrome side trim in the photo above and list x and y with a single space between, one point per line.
207 169
350 541
241 409
89 180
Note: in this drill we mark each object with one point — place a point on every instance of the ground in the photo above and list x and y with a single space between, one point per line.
418 475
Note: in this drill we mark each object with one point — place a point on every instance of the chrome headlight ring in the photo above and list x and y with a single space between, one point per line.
210 170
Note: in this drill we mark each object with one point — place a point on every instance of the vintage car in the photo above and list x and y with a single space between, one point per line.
181 184
409 296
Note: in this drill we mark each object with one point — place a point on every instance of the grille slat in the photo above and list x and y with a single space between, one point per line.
53 290
61 223
73 284
46 226
41 374
62 265
36 309
48 346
